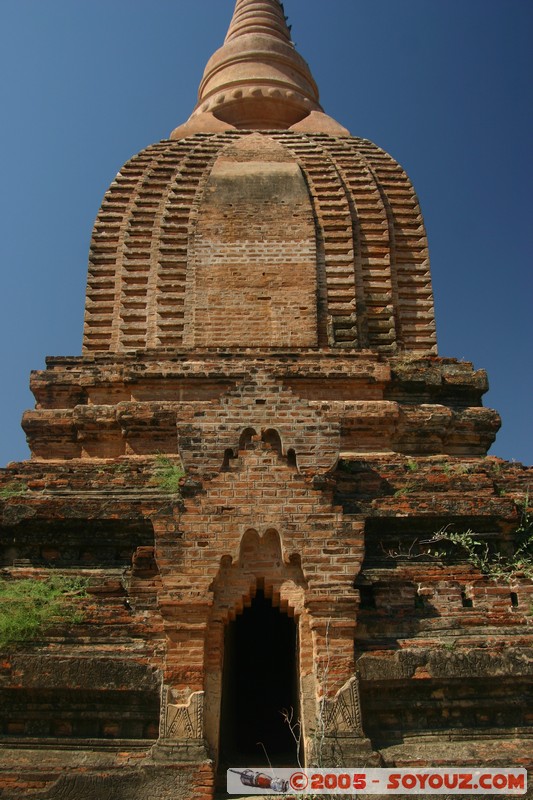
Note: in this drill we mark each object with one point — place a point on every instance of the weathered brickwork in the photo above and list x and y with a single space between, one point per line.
252 252
198 404
171 221
441 651
255 466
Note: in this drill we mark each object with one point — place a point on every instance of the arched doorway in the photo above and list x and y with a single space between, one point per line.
259 686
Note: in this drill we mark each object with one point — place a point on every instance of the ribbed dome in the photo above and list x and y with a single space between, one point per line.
261 223
270 240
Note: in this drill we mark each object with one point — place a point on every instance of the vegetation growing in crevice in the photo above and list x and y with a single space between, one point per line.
167 475
30 606
409 488
495 565
13 489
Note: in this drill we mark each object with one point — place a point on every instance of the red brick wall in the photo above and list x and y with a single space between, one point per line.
253 252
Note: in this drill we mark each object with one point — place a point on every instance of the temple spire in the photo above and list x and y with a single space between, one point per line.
258 16
257 80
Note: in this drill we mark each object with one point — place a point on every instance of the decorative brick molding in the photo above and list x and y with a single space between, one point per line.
343 713
184 720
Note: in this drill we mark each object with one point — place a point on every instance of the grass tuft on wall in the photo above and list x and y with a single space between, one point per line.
29 606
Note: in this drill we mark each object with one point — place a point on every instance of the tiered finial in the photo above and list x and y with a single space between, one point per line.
257 80
258 16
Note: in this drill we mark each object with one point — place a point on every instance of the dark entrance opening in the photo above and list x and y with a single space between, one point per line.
259 684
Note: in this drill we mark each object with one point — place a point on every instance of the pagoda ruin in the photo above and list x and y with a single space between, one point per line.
275 493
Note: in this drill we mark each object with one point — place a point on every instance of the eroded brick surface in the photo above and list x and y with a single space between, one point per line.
442 652
330 212
259 328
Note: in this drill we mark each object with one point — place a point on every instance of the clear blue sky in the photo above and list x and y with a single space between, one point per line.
444 85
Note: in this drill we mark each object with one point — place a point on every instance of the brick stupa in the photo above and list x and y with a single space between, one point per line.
259 314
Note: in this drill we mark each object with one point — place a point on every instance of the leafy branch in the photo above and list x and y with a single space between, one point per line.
495 566
401 552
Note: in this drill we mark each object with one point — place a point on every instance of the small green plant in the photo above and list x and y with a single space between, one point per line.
121 467
118 468
463 469
405 490
412 465
167 475
456 469
30 606
13 489
477 552
495 566
525 526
